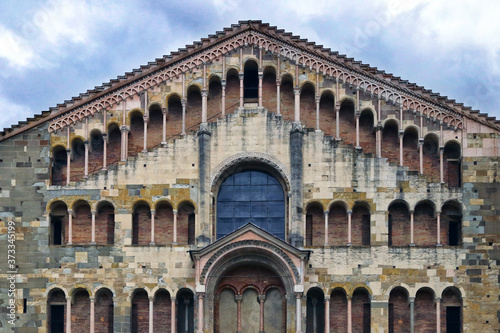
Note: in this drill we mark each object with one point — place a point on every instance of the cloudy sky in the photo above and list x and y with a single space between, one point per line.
51 50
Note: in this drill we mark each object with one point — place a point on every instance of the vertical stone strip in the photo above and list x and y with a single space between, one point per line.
92 242
326 227
223 102
412 243
70 226
278 90
164 129
261 299
349 228
68 314
151 300
327 314
438 315
174 240
152 227
241 76
172 315
200 312
68 159
298 308
183 103
438 236
412 314
349 314
204 139
297 169
238 299
92 314
105 141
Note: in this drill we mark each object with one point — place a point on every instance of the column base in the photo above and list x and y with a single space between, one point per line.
144 151
104 169
358 148
93 243
164 144
152 244
262 332
317 131
439 245
338 139
85 177
412 244
349 244
175 243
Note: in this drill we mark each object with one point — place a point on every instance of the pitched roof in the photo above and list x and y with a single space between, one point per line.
349 71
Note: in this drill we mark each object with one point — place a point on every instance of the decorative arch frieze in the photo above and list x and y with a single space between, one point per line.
367 82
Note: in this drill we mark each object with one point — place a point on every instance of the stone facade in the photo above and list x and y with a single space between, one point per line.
391 202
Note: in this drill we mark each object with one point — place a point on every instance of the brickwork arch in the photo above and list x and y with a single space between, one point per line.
287 101
399 310
338 223
155 125
269 92
361 310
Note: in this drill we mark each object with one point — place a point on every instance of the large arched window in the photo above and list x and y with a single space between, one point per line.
251 196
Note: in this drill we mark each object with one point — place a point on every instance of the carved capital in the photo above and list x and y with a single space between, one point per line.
238 298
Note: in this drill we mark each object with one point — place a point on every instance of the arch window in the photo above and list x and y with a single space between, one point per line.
141 224
164 217
431 156
78 161
186 220
327 113
232 90
360 225
425 224
59 165
155 125
451 310
96 151
361 311
194 102
425 310
104 311
56 311
337 224
114 144
162 311
269 89
82 223
367 133
411 157
308 105
399 224
315 225
315 311
140 311
451 224
452 172
251 82
174 117
390 138
80 311
185 311
347 122
399 311
338 311
105 223
58 222
214 102
287 98
251 196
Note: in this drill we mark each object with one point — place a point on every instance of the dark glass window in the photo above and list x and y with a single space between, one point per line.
251 196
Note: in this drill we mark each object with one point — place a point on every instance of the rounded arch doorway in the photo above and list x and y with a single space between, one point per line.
250 298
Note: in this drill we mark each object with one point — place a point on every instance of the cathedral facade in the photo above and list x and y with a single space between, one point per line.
252 182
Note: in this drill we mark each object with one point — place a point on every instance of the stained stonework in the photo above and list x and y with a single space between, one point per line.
391 195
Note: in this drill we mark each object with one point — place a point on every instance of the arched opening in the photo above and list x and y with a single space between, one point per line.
255 196
315 225
174 117
155 125
113 153
255 287
104 311
185 311
164 223
287 98
82 222
347 122
452 170
80 311
193 111
269 89
232 90
162 310
451 311
431 156
338 311
105 223
136 134
78 161
251 82
337 224
411 157
361 311
425 310
327 116
308 105
96 151
141 224
360 222
58 221
315 311
214 99
367 135
56 311
399 311
451 224
390 138
186 223
399 224
59 165
424 224
139 316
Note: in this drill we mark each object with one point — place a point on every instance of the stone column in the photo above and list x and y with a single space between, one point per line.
297 170
349 228
412 243
441 164
326 227
337 121
92 314
151 301
278 98
183 103
438 236
204 101
68 314
261 299
164 130
421 154
296 92
124 143
261 76
241 76
438 315
172 315
200 312
317 113
401 136
298 307
86 170
145 147
238 299
174 239
203 218
93 212
412 314
223 103
152 227
349 314
357 131
70 226
104 151
327 314
68 166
